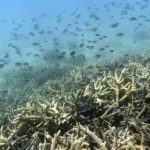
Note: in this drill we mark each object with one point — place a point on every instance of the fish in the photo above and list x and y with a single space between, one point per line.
41 32
6 56
72 53
102 49
31 33
18 52
2 66
18 64
3 92
97 34
114 25
94 16
26 64
90 47
97 56
36 26
60 56
35 44
94 29
36 55
107 46
132 18
111 50
81 45
120 34
33 19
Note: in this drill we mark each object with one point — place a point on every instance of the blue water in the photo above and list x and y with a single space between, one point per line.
37 32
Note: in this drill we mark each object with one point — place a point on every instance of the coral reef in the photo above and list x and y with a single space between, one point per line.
91 108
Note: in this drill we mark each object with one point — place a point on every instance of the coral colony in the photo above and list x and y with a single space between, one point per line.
105 107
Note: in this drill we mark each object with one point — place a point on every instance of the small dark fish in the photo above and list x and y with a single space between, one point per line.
65 30
20 25
49 32
88 7
2 66
56 43
94 16
13 21
123 12
31 33
60 56
95 29
6 56
101 38
120 34
69 24
3 92
111 50
90 47
89 41
25 81
102 49
76 22
28 54
26 64
24 21
72 53
63 53
98 74
82 44
105 36
56 28
97 56
33 19
46 93
18 52
18 64
35 44
30 67
36 27
55 39
42 50
94 41
106 46
41 32
7 62
15 29
97 34
80 85
57 50
78 16
36 55
87 24
147 20
73 13
132 18
114 25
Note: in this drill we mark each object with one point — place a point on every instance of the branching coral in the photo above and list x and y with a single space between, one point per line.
91 108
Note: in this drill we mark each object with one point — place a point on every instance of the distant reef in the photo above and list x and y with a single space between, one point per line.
102 106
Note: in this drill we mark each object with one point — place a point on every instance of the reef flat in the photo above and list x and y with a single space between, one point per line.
104 107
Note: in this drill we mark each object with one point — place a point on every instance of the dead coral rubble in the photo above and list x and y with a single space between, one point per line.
108 110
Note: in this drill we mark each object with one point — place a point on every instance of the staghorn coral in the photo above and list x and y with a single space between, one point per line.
107 110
